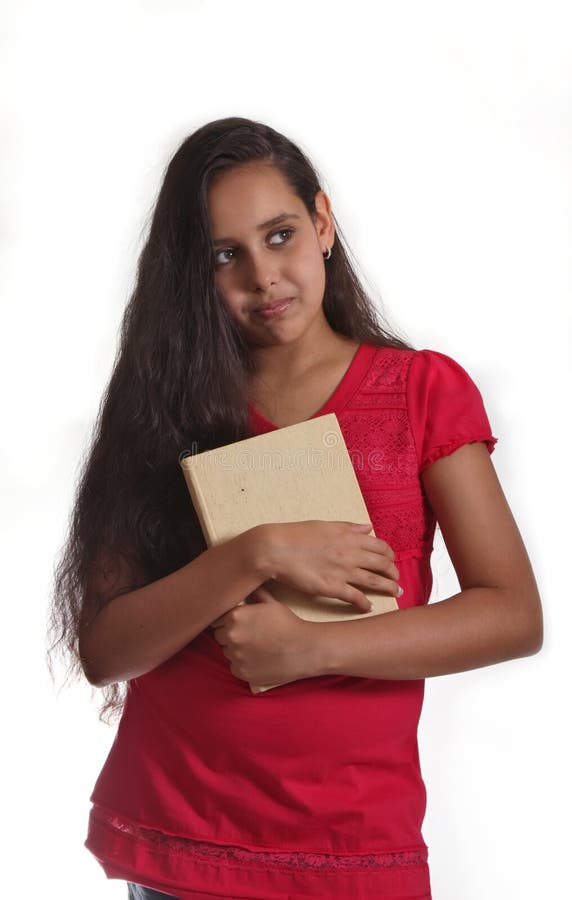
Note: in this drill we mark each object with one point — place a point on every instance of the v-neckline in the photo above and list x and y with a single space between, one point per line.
341 395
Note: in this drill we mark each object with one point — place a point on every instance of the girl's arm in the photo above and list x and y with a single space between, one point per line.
497 614
139 629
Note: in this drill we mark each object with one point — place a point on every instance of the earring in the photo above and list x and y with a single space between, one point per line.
327 253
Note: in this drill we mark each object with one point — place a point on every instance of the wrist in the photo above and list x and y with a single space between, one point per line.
258 549
321 646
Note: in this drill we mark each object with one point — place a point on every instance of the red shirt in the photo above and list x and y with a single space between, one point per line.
312 789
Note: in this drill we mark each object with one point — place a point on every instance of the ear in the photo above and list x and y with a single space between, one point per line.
323 221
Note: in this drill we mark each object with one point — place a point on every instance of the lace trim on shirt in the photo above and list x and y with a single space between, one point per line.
207 852
454 444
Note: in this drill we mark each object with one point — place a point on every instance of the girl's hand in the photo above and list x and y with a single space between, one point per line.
265 642
334 559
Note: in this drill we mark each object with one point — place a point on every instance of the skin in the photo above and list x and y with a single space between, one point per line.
495 616
261 265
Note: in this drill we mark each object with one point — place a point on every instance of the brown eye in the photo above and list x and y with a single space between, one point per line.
287 231
220 253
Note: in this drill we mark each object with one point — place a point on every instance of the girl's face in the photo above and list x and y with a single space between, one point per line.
268 253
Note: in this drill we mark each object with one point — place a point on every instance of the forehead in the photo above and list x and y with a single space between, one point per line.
243 197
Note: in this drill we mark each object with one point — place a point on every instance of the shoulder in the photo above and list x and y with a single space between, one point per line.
422 373
445 406
407 366
434 377
426 362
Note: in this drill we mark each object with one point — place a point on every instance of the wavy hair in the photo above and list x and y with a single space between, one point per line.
178 380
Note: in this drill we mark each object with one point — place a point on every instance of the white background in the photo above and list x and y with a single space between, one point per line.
443 132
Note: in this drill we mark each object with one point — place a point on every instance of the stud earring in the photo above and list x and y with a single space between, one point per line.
327 253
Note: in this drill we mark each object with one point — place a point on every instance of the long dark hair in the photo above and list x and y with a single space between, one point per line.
179 379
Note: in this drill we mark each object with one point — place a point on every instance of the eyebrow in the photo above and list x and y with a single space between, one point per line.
282 217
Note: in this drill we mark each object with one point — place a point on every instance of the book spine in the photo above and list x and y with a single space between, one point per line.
201 508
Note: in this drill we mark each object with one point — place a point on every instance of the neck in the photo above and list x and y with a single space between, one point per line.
278 363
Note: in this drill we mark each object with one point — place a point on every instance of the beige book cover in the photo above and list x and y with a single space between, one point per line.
292 474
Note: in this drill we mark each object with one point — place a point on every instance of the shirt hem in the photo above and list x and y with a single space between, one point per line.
125 856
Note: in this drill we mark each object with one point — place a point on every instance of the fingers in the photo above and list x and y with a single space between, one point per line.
264 594
372 582
352 594
222 619
379 546
380 564
261 594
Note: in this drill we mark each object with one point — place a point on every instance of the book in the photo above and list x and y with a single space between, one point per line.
297 473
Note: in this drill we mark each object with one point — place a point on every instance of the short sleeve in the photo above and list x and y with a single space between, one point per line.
445 407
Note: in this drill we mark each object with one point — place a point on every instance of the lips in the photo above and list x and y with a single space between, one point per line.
274 305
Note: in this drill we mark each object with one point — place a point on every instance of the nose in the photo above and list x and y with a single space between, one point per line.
262 271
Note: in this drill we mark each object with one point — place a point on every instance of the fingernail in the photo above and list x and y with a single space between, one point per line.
400 591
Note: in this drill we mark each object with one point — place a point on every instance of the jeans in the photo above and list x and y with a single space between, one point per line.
138 892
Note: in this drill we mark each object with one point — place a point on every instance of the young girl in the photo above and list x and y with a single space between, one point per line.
247 316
